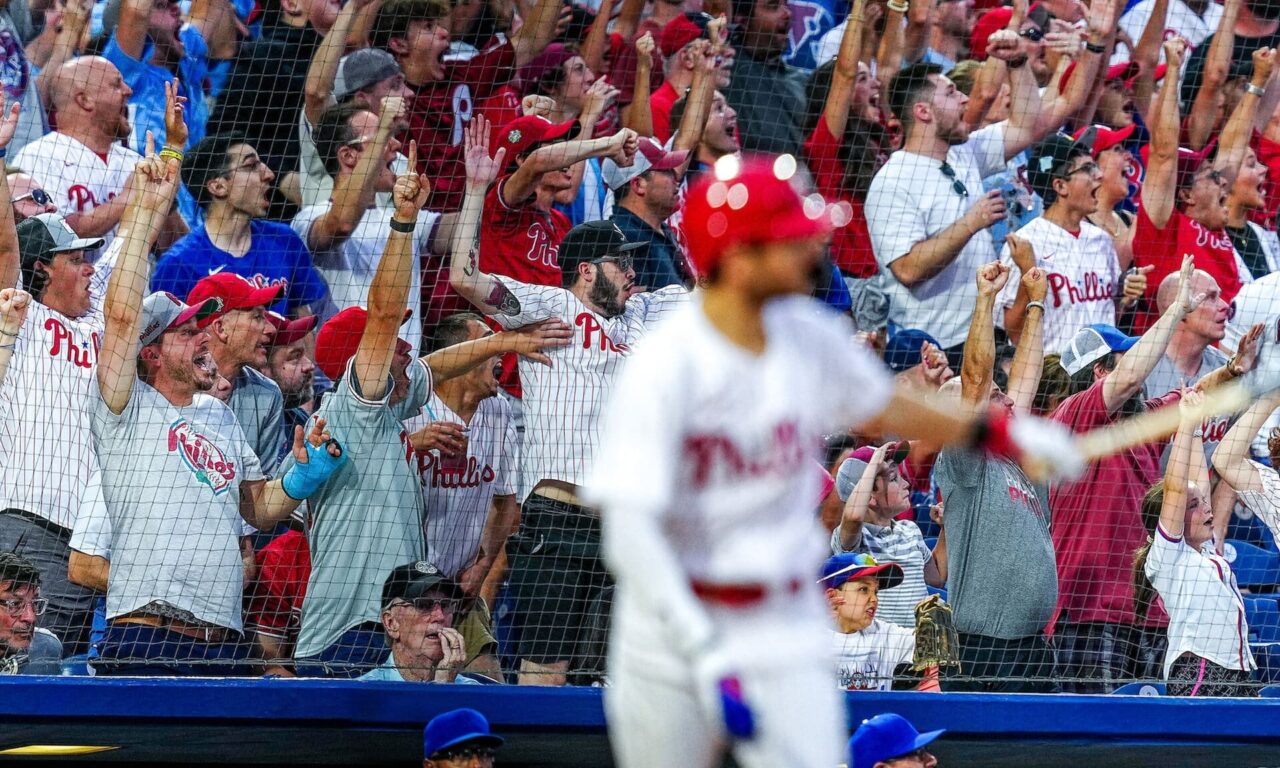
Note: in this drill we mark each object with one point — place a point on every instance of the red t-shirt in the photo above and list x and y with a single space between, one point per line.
1164 248
439 111
520 241
850 244
275 602
1268 153
500 108
660 104
1097 520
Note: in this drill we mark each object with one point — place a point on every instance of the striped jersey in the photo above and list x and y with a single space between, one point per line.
899 542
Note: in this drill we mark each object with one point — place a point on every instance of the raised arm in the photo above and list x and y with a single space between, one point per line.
597 40
980 348
1023 128
889 52
318 90
484 291
9 262
66 45
1173 510
1160 183
840 94
1147 55
1028 360
14 303
267 503
621 146
1213 77
638 115
1024 258
1231 460
528 342
702 90
1098 44
855 508
389 292
537 32
131 28
629 18
1233 145
915 38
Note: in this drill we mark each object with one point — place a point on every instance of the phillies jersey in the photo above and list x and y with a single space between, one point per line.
1083 272
520 241
45 447
1164 248
563 401
439 111
77 178
717 443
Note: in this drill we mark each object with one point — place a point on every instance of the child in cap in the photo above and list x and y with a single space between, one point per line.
875 493
870 654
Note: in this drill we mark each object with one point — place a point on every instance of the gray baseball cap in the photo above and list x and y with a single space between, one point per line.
1092 343
851 469
362 69
162 311
42 237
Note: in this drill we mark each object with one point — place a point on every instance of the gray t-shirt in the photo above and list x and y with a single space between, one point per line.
17 79
1166 377
259 406
367 519
1002 579
171 481
44 657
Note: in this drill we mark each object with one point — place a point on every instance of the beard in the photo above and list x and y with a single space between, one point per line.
607 295
302 395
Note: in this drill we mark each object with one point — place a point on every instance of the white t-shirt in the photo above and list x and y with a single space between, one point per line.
171 481
348 267
910 201
866 660
76 177
1083 272
458 494
317 184
563 402
1255 303
899 542
1206 611
1180 20
718 444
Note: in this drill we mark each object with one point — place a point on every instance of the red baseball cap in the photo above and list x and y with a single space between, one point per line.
524 133
987 24
681 31
288 331
1189 161
749 200
235 291
552 58
339 338
1104 138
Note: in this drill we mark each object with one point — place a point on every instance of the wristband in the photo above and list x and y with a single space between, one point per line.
302 480
169 152
406 227
1092 47
1039 304
3 151
1249 88
899 7
991 434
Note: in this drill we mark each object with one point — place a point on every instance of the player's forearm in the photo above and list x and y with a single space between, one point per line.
88 571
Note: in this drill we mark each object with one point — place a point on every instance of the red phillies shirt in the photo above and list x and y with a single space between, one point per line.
521 241
1164 249
439 111
1268 153
1097 520
850 244
275 603
660 104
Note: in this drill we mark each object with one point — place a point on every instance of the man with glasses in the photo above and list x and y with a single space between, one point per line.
645 194
890 741
231 185
25 649
419 605
926 210
27 198
459 738
557 551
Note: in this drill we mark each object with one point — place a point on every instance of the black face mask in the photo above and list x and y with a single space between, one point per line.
1267 10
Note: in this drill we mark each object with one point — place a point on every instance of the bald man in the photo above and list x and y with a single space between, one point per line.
1191 353
28 198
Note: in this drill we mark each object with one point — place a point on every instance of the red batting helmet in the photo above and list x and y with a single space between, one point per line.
749 200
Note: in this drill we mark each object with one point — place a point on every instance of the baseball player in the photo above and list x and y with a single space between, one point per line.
709 525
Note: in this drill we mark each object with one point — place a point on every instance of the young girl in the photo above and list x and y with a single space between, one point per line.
1208 652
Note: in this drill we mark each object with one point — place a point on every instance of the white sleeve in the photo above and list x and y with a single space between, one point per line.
987 145
1265 503
92 532
893 219
902 645
857 384
537 302
1164 563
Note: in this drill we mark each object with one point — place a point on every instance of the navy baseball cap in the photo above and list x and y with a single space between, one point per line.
1092 343
885 737
456 727
903 349
849 566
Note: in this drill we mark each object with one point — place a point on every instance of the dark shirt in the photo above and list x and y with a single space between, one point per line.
770 101
1250 249
1241 62
662 263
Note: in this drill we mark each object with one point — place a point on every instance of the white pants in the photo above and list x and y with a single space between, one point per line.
657 720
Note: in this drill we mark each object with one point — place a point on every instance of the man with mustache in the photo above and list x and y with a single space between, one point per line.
25 649
291 366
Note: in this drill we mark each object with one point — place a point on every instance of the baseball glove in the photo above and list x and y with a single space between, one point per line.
937 644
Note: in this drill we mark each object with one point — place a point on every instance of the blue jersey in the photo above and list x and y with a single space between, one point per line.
146 105
276 255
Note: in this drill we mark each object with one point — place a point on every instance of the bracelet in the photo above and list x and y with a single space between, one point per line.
1039 304
900 7
1092 47
169 152
3 332
1249 88
406 227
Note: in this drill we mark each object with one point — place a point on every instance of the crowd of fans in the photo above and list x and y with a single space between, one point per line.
310 309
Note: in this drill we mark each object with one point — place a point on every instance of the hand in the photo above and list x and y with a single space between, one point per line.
991 278
626 143
9 123
175 124
542 106
877 458
317 437
644 52
1022 252
936 514
391 111
1186 301
482 170
529 341
73 16
1246 357
1004 44
471 579
1189 416
1264 61
455 655
14 303
411 189
1135 285
1102 18
937 369
598 98
717 31
1067 42
703 54
447 437
1036 283
1174 48
987 210
153 186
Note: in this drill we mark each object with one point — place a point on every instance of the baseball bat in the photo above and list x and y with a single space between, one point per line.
1153 425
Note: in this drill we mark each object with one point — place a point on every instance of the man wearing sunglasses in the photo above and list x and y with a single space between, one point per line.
25 649
28 198
419 605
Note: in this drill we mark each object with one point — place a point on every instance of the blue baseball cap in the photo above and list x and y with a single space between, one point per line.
902 351
1092 343
885 737
457 726
848 566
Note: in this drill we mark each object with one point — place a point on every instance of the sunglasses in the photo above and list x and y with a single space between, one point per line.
625 263
957 186
1088 168
429 604
461 754
39 195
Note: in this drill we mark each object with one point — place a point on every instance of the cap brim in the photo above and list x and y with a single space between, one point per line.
671 160
900 452
925 739
201 312
79 244
1127 344
293 330
262 297
798 225
629 247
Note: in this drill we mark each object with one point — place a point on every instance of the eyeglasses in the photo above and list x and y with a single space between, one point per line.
957 186
484 754
39 195
1088 168
625 263
16 605
1034 34
252 165
359 142
429 604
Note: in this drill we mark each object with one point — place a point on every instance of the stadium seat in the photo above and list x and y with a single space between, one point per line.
938 591
931 542
1251 530
1270 692
1267 655
1140 689
1254 567
1263 613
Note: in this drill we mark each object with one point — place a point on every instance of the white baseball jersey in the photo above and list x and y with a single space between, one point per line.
458 493
866 660
563 402
45 447
77 178
1083 273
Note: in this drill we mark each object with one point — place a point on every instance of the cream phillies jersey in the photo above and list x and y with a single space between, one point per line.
77 178
45 446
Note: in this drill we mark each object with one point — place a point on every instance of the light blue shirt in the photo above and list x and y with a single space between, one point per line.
388 672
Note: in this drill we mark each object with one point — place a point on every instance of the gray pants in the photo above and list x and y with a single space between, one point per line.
70 612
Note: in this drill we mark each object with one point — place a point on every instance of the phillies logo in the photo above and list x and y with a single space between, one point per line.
81 354
468 474
205 459
83 199
783 454
1090 288
591 328
541 251
1214 429
1205 238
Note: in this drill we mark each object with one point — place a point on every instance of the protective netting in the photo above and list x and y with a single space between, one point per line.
324 304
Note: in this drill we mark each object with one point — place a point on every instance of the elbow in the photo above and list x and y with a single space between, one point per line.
906 274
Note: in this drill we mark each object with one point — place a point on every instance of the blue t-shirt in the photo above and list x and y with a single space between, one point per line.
276 255
146 105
